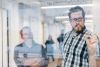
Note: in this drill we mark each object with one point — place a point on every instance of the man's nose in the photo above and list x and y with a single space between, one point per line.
77 22
29 34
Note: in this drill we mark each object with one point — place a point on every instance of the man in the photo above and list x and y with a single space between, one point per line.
29 53
49 47
60 40
79 44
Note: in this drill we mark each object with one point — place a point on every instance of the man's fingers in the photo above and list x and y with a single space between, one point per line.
88 41
87 37
94 36
92 40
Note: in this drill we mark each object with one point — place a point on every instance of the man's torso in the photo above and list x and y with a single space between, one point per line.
75 53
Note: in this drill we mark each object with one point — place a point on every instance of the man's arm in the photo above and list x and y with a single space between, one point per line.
18 60
41 61
35 65
94 56
92 42
44 60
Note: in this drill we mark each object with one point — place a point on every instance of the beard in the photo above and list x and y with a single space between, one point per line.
79 28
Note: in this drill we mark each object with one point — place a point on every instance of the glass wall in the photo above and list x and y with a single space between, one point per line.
3 38
43 21
15 16
0 40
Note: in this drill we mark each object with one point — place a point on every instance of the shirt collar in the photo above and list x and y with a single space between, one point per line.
33 43
84 30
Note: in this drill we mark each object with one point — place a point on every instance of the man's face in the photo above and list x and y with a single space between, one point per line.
49 37
26 34
77 21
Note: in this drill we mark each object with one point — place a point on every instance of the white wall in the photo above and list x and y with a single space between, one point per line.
13 16
0 40
96 16
3 38
4 30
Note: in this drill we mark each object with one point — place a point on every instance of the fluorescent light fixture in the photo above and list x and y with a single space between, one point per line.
48 7
61 17
89 16
85 24
68 24
85 21
65 22
89 21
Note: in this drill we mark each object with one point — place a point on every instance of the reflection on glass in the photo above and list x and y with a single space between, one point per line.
29 49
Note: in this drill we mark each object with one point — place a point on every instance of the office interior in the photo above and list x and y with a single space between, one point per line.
44 17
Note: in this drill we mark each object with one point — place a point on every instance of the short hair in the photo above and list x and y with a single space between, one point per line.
76 9
26 27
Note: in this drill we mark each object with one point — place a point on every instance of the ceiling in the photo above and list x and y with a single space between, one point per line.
55 2
54 13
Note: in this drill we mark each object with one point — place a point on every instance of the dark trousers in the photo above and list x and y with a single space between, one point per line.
51 57
20 66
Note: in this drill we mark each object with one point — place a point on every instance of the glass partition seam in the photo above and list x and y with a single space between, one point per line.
8 36
2 29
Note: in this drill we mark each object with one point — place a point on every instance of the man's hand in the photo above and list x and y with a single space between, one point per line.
35 65
92 42
20 55
61 43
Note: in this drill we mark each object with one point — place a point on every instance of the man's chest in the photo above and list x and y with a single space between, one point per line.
31 52
75 44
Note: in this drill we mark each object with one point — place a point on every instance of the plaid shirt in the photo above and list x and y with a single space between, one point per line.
75 52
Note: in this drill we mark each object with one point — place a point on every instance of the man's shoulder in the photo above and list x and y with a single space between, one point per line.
38 44
67 33
88 31
19 45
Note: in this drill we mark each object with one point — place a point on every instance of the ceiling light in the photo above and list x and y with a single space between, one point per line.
68 24
48 7
89 21
89 16
85 21
60 17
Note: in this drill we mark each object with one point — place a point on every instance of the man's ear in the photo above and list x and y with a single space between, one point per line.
69 20
22 36
84 19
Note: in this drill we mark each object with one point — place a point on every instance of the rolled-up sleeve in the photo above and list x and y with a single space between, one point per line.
17 60
43 63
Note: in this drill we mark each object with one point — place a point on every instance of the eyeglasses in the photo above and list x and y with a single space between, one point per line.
76 19
27 33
